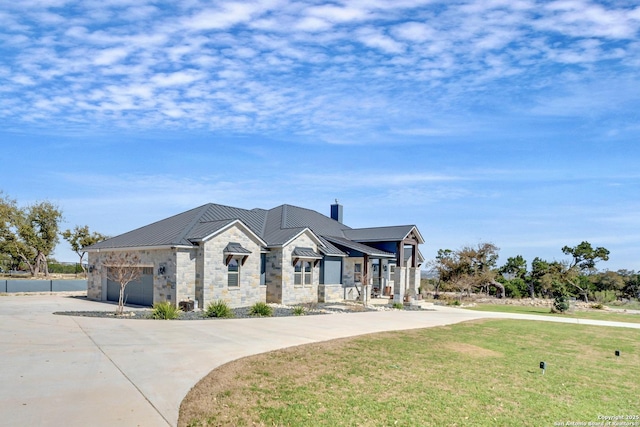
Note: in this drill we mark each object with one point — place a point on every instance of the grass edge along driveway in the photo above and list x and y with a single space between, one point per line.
613 316
480 373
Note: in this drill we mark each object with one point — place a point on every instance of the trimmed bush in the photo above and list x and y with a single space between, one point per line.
165 311
398 306
261 309
219 308
560 304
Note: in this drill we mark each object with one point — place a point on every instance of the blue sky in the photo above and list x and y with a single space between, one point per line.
509 121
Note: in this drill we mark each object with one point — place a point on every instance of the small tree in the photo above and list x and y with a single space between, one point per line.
81 238
560 303
583 262
123 269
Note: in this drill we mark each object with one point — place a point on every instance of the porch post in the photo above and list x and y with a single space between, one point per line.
365 280
399 280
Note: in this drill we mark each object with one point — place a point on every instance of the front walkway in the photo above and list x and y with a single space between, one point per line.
77 371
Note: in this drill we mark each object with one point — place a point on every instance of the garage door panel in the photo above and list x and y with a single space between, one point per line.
138 292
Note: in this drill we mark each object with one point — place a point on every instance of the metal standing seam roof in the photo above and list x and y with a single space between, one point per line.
359 247
305 253
275 226
393 233
236 249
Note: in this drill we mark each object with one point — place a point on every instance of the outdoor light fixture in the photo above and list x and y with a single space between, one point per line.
161 270
543 366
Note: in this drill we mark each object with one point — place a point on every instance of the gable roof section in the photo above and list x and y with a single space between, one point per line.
167 232
188 227
394 233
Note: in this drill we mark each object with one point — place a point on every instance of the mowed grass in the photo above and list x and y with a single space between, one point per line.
546 311
483 373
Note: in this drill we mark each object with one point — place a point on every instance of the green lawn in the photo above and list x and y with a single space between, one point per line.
594 314
483 373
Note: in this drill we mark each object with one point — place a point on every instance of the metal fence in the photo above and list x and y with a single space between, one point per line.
9 286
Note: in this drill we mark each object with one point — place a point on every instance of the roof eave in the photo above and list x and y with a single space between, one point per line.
137 248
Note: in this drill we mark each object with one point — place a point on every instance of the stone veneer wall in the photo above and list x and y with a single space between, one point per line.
274 276
348 273
296 294
185 262
215 276
330 293
407 281
164 286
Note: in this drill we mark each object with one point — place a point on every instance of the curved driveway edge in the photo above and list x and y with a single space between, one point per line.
77 371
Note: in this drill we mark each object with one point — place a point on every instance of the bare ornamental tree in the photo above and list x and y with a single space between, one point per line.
123 269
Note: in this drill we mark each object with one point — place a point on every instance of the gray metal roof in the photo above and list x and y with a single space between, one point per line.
171 231
394 233
202 230
236 249
329 249
359 247
305 253
275 226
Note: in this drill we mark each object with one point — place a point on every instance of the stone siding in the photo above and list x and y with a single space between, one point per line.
330 293
280 272
348 274
215 272
164 285
274 276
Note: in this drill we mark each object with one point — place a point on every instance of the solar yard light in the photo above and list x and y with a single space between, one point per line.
543 366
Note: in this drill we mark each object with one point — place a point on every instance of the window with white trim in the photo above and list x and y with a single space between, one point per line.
233 273
303 272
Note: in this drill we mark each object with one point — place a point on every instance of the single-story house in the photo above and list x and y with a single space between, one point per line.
284 255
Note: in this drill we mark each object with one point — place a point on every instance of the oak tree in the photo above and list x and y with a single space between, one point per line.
80 238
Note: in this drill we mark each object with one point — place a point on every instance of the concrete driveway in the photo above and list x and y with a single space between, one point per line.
78 371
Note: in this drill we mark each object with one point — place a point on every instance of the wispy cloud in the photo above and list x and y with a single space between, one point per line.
276 66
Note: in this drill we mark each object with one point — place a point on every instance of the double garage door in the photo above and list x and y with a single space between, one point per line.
139 292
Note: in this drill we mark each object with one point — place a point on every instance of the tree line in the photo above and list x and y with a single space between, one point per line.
29 235
475 269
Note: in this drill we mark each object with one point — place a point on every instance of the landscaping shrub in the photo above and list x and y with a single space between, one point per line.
299 311
560 304
398 306
260 309
219 308
165 311
597 306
